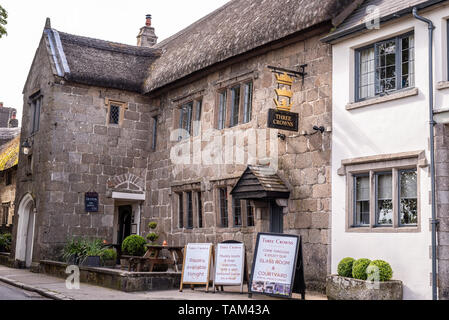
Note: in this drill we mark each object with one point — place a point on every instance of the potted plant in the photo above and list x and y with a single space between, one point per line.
132 246
74 251
5 242
94 251
109 257
363 279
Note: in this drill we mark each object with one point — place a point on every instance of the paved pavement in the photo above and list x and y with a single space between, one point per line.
55 288
8 292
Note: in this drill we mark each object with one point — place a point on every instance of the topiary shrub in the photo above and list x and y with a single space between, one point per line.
152 225
134 246
359 269
345 267
109 254
384 269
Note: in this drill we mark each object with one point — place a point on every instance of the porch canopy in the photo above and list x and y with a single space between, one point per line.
260 183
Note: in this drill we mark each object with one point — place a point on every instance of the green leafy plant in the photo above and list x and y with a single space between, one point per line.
77 250
134 246
109 254
345 267
152 225
5 242
384 269
359 269
3 21
152 237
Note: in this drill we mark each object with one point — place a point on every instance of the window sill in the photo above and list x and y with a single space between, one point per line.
416 229
391 97
442 85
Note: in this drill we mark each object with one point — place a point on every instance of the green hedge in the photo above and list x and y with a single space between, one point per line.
134 246
359 269
345 267
384 268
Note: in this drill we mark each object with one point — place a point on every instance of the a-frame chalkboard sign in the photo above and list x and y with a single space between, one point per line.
278 268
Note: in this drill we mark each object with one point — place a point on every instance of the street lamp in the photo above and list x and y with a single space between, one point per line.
26 148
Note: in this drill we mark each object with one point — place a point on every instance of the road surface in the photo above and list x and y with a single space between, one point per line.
8 292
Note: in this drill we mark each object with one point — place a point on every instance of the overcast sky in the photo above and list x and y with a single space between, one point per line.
113 20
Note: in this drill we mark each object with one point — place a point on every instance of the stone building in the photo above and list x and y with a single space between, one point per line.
170 131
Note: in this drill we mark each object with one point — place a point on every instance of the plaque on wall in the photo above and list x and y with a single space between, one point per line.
91 202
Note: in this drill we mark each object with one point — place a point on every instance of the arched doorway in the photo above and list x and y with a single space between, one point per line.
25 230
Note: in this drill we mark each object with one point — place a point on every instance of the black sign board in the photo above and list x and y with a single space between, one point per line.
91 202
278 268
283 120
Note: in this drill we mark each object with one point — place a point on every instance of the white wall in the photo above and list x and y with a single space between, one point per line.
391 127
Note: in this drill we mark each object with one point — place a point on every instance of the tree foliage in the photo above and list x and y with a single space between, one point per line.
3 22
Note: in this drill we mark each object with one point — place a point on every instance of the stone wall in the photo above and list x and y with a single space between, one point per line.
8 193
304 160
76 151
442 189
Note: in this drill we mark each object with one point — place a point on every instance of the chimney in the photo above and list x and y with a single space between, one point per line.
147 37
1 104
13 122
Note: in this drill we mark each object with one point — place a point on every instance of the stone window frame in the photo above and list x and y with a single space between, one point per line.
226 88
180 193
5 217
229 185
123 107
398 66
35 102
378 164
196 115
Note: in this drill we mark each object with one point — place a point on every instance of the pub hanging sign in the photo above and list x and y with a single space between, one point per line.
282 118
91 202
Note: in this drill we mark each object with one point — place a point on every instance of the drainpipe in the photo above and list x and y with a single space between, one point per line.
434 220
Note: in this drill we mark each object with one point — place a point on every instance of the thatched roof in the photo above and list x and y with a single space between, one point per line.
9 154
97 62
388 10
236 28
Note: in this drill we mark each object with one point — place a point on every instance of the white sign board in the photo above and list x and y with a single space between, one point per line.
274 264
197 263
229 264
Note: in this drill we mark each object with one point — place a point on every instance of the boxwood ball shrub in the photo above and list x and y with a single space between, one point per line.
359 269
134 245
345 267
385 270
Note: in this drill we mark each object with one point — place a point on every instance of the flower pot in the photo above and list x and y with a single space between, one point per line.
341 288
93 262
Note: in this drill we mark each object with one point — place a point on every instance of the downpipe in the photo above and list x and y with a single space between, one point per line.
434 220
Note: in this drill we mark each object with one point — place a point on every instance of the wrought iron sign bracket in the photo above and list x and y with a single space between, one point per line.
297 74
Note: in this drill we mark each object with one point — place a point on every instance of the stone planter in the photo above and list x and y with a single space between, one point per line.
109 263
341 288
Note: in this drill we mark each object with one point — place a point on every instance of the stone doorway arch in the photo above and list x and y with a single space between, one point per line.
25 230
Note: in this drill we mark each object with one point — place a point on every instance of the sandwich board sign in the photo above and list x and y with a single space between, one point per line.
277 266
230 265
196 269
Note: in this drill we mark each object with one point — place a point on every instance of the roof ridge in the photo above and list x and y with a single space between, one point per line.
109 45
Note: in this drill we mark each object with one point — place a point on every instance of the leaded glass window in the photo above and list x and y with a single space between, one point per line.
114 114
249 214
248 102
222 110
385 67
189 210
35 114
200 210
237 209
362 201
185 121
180 211
223 194
384 201
408 197
235 106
